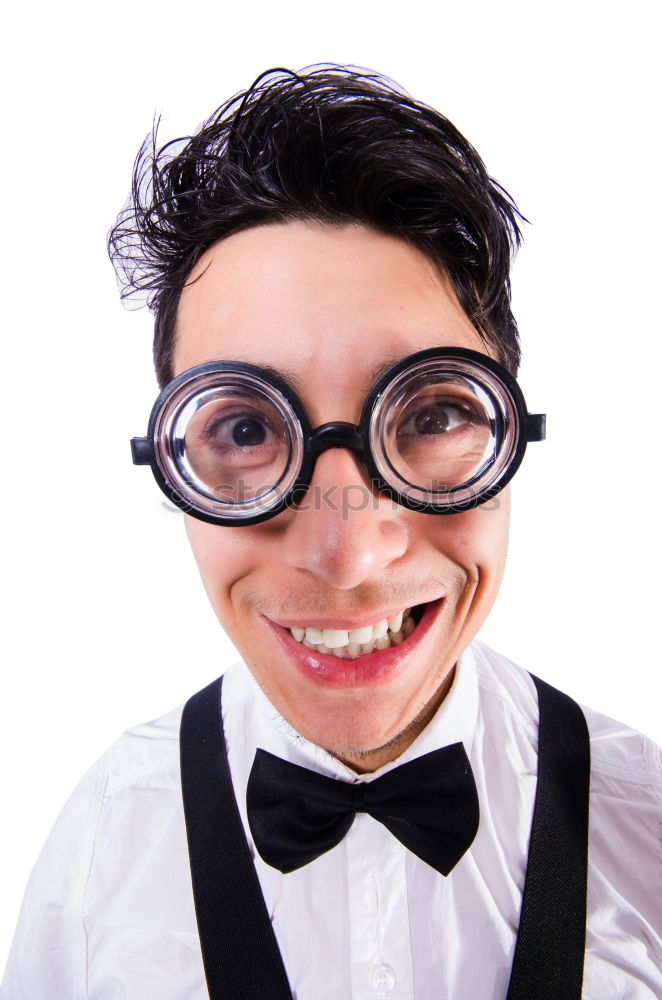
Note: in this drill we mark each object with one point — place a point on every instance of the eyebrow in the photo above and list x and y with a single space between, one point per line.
289 378
381 369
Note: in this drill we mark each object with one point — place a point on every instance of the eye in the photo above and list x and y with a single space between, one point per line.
240 430
438 418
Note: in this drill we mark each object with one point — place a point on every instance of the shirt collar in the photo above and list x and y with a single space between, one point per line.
263 726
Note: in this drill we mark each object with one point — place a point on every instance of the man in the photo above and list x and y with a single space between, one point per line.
328 266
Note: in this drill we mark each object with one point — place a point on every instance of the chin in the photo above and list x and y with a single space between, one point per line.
366 725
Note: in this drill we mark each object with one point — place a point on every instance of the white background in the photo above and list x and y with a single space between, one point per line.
106 623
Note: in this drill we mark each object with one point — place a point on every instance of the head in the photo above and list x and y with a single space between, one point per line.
324 225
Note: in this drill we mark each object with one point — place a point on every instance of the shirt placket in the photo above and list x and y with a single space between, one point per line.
381 960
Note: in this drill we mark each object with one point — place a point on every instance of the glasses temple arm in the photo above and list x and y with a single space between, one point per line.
535 427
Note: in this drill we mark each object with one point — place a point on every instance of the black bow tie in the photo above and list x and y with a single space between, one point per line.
430 804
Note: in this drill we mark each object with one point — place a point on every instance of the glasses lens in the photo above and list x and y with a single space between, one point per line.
230 444
444 431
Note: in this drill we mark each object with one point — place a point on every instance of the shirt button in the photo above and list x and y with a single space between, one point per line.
383 978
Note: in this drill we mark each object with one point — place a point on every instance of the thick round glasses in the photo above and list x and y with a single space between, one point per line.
441 432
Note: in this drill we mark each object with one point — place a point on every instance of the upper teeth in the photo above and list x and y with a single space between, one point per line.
354 638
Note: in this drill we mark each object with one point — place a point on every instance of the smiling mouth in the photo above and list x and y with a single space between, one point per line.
335 668
353 643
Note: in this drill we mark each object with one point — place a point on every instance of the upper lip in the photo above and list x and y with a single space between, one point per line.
347 622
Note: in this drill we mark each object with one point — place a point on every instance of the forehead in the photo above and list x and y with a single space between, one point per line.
330 307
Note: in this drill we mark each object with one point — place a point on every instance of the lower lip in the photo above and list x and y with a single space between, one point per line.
369 669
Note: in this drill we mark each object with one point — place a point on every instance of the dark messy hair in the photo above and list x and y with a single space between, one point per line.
329 144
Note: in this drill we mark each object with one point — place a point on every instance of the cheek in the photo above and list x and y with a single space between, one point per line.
476 539
223 555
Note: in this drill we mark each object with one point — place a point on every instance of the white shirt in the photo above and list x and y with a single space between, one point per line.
108 912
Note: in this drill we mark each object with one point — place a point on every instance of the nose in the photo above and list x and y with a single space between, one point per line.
343 531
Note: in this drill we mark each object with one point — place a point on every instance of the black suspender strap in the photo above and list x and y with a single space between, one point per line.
549 954
239 950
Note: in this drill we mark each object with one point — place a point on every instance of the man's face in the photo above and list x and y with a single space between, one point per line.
328 307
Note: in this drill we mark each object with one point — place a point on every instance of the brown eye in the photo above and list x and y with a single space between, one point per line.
247 431
432 421
438 419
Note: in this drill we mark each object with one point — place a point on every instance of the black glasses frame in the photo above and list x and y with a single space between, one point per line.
341 434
